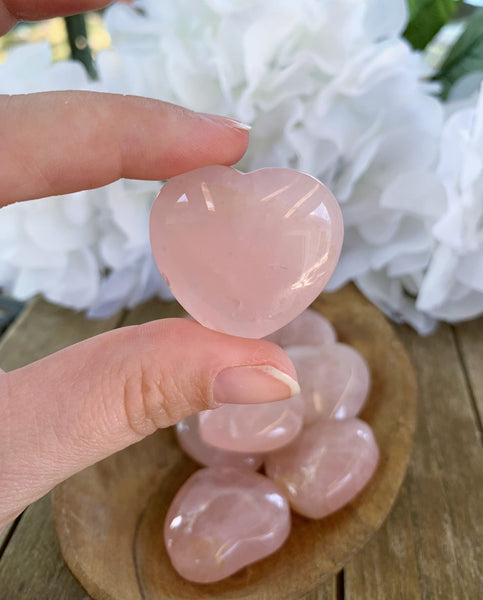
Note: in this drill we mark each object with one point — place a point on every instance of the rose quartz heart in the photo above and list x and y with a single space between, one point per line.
328 464
245 253
252 427
334 380
308 329
223 519
188 435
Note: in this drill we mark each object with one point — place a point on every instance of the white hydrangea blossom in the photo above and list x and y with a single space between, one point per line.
87 250
330 88
435 269
29 69
123 248
48 247
452 288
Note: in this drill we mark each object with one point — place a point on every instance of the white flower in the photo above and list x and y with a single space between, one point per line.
84 250
124 250
452 288
351 109
48 246
29 68
434 269
332 89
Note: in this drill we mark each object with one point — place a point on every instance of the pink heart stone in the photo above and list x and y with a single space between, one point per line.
326 466
334 380
252 427
223 519
245 253
308 329
188 435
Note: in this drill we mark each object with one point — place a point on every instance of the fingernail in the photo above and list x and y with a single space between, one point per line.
226 121
250 385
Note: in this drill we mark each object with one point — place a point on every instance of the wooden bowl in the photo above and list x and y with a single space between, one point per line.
110 517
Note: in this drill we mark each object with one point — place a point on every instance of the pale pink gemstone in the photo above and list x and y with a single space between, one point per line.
245 253
223 519
334 380
328 464
308 329
252 427
188 435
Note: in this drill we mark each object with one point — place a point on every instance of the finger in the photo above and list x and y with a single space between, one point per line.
75 407
12 11
60 142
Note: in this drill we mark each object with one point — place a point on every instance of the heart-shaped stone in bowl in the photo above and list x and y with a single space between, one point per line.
245 253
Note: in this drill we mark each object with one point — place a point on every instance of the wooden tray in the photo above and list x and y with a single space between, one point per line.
110 517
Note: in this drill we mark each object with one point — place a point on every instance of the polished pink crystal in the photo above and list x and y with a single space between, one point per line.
308 329
245 253
326 466
334 380
252 427
188 435
223 519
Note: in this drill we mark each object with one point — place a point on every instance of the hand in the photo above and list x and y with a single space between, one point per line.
73 408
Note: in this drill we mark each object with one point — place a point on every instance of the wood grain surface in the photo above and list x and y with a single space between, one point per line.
110 517
469 341
412 556
434 543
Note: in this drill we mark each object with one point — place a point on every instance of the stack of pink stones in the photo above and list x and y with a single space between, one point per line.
316 457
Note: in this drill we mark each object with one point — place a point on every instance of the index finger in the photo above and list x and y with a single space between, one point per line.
61 142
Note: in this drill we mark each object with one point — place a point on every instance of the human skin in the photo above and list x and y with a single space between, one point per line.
73 408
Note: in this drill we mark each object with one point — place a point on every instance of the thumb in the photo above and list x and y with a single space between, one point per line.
73 408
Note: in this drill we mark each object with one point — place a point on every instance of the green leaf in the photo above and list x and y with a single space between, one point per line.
426 17
466 56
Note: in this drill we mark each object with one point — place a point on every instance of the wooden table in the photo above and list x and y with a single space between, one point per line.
431 545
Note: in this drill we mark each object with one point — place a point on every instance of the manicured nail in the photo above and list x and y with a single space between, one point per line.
237 124
250 385
226 121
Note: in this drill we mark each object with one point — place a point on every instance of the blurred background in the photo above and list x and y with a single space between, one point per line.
379 99
84 36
